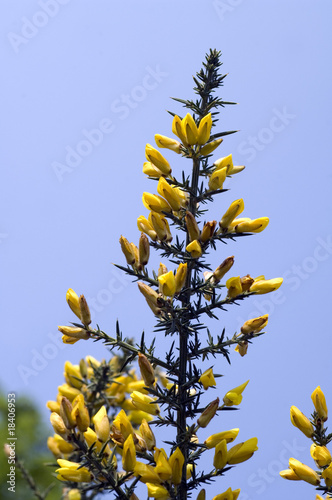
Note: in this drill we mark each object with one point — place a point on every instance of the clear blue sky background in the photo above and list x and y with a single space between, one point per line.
69 71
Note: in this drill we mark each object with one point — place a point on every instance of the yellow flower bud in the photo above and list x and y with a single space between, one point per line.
228 495
224 267
167 284
266 286
180 277
146 370
220 455
147 473
151 170
210 147
195 249
234 396
69 392
217 179
102 424
155 203
207 379
301 422
228 436
255 325
72 471
129 454
231 213
58 424
242 451
289 474
157 159
127 250
190 128
149 294
143 250
165 142
73 302
320 454
80 413
161 226
162 269
226 162
146 227
327 476
319 401
157 491
145 403
65 413
74 332
177 129
162 468
234 287
252 226
209 412
170 194
63 445
176 461
304 472
192 227
204 129
208 231
54 406
85 311
147 435
73 375
242 348
201 495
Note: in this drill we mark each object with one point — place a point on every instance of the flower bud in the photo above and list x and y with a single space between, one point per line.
201 495
161 226
204 129
254 325
242 451
217 179
190 128
165 142
266 286
224 267
155 203
208 231
143 250
304 472
320 454
146 227
74 332
58 424
129 454
252 226
176 462
180 277
65 413
144 403
178 130
157 159
157 491
327 476
209 412
127 250
192 227
73 302
242 348
102 424
85 311
146 370
210 147
229 494
300 421
147 435
228 436
151 170
220 455
231 213
319 401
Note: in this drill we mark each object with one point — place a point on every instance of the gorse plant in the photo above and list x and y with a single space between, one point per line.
105 414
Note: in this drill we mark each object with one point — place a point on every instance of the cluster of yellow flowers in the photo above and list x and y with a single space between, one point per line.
314 429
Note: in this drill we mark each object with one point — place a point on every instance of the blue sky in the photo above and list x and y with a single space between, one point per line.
85 86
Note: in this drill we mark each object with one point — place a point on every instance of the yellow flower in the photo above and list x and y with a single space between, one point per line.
207 379
209 412
255 325
300 421
72 471
73 495
220 455
204 129
192 227
210 147
217 179
161 226
208 231
228 495
190 129
242 451
157 491
234 396
177 129
319 401
146 227
165 142
68 391
143 250
320 454
127 250
62 444
195 249
252 226
180 277
266 286
231 213
201 495
102 424
304 472
234 287
226 162
162 468
289 474
167 284
129 454
242 348
80 413
73 302
58 424
214 439
157 159
155 203
151 170
73 375
145 403
151 296
170 193
74 333
147 473
327 476
176 461
147 435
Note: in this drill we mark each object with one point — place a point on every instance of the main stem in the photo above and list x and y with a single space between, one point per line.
183 345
